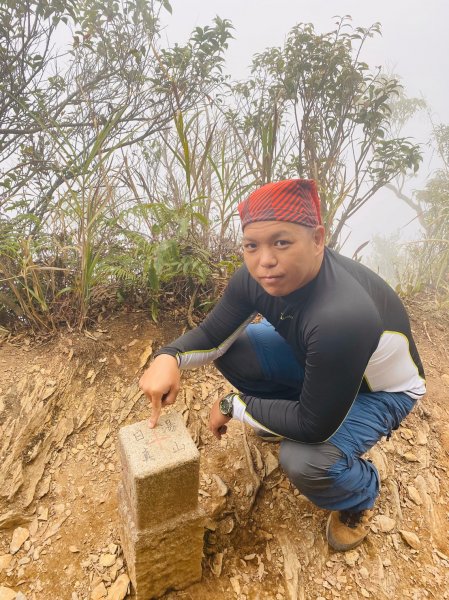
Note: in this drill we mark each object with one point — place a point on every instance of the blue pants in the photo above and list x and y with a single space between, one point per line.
333 474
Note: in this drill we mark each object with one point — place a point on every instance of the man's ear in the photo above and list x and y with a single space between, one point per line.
319 235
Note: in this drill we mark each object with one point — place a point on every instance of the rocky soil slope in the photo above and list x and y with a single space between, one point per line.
61 405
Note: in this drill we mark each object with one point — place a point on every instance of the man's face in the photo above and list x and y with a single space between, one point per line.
282 257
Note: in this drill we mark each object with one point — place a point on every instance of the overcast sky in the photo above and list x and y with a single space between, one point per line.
414 45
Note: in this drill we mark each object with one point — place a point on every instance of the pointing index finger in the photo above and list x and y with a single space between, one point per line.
156 403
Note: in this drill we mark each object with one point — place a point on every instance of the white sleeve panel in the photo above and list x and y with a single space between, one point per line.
239 413
392 369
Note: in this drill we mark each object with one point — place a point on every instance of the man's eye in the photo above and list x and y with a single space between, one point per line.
282 243
249 246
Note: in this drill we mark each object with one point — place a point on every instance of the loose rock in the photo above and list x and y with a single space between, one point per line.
7 593
216 564
42 513
271 463
119 588
107 560
5 561
385 524
411 457
113 548
411 539
235 585
421 438
18 538
102 434
99 591
351 558
222 487
414 495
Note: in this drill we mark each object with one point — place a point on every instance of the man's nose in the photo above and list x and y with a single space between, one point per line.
267 258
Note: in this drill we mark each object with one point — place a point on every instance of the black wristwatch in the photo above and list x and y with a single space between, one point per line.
226 405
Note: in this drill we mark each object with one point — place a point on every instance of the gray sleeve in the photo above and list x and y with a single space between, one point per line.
219 330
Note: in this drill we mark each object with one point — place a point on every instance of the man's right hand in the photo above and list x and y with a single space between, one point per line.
160 383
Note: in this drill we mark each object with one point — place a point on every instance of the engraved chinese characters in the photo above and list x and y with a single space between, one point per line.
160 439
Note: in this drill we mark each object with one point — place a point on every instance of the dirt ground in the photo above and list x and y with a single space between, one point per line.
62 403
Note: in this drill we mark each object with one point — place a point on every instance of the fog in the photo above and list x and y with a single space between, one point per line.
414 45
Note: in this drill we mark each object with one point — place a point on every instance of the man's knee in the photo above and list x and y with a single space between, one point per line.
308 465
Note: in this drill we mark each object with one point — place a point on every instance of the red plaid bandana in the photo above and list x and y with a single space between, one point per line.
293 200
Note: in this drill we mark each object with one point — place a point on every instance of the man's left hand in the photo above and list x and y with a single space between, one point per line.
217 421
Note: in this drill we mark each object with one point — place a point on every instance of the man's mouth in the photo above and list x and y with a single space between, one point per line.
269 278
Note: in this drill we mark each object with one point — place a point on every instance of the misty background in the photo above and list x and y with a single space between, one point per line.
414 46
129 131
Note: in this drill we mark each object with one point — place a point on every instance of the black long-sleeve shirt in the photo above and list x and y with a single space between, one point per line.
348 329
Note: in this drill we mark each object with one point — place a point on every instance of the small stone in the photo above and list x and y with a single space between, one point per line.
249 556
411 457
20 596
107 560
113 548
216 564
411 539
119 588
73 549
421 438
102 434
222 487
407 434
364 572
351 557
5 560
217 506
385 524
235 586
99 591
24 561
7 593
34 526
364 592
227 525
441 555
413 494
18 538
42 513
271 463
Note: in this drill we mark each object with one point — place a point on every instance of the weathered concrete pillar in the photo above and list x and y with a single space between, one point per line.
161 525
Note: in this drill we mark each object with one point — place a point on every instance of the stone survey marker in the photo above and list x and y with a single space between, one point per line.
161 524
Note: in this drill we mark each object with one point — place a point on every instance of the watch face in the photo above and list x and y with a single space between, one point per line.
226 405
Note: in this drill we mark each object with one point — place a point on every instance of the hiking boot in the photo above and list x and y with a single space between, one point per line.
347 529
